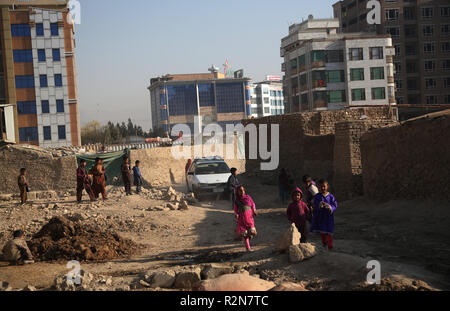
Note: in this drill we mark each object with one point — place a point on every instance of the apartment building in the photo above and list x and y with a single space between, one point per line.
267 97
38 91
420 31
325 70
178 99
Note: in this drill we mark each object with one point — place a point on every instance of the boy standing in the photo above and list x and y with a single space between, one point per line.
137 176
23 185
232 183
126 176
83 182
98 179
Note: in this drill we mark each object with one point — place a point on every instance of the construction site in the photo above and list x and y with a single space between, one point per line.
390 180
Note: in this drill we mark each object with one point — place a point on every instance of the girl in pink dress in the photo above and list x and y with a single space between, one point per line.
244 210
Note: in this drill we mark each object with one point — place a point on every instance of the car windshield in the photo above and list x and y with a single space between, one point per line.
212 168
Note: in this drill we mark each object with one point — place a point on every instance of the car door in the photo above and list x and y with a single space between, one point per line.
190 177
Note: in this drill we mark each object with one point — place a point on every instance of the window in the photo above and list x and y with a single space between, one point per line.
447 82
356 54
335 76
54 29
26 107
336 96
358 94
230 97
335 56
410 50
429 65
47 133
302 61
410 31
206 95
446 65
428 30
398 50
430 83
431 99
399 84
23 56
445 29
427 13
378 93
45 106
61 132
294 63
317 56
24 82
40 30
409 13
398 67
391 14
20 30
393 31
428 47
58 80
377 73
59 105
267 110
27 134
56 55
43 80
445 47
41 55
357 74
376 53
412 85
445 11
303 80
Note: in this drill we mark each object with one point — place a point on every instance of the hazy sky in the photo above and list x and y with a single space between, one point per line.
121 44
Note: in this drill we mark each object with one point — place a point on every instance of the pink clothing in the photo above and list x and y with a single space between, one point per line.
244 208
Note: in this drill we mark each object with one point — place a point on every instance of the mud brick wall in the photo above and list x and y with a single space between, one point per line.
408 161
45 172
307 140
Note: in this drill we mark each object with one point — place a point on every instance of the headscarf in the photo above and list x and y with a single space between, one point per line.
297 189
244 200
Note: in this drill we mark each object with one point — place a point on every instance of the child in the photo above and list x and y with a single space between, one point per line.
311 191
83 182
126 176
244 210
16 251
98 179
232 183
298 213
23 186
323 216
137 176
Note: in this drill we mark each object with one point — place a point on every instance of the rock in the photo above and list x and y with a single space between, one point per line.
183 206
214 270
172 206
123 288
289 287
187 279
163 279
295 254
6 197
143 283
234 282
290 237
308 250
29 288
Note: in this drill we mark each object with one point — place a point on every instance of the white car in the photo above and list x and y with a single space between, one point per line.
207 176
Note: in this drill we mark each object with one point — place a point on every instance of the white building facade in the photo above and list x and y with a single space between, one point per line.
267 98
325 70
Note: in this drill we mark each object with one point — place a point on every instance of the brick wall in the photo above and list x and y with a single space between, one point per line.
409 161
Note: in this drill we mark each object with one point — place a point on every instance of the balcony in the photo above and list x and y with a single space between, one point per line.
318 64
319 83
320 104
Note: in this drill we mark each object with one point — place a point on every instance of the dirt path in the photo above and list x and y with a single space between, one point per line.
412 248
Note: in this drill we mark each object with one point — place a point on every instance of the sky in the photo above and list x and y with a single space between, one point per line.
122 44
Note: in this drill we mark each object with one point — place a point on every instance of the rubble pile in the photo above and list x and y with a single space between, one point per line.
63 238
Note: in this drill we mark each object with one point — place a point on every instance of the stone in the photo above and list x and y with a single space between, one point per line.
234 282
290 237
308 250
183 206
3 285
289 287
295 254
214 270
123 288
163 279
186 279
173 206
29 288
143 283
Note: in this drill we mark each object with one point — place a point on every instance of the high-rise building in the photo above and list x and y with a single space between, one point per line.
325 70
179 99
420 31
267 97
38 91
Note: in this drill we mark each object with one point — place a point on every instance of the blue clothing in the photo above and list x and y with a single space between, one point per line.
323 219
137 176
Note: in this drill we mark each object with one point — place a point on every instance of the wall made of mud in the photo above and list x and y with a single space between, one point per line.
410 161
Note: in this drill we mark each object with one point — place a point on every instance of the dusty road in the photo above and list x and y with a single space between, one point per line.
410 239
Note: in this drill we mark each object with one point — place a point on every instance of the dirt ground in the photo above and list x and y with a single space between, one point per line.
411 240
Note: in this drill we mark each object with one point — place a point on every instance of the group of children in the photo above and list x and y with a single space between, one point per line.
312 212
127 174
